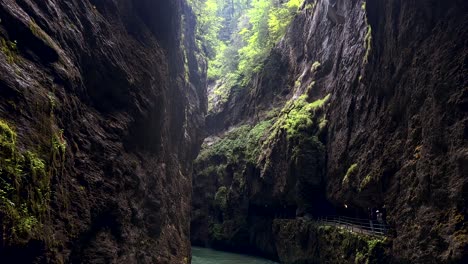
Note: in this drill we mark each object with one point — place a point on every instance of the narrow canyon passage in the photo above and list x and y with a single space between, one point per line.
332 132
233 131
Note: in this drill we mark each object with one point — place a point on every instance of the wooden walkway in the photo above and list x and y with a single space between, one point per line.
363 226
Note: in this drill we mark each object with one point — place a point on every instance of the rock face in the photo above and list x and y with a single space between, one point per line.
365 105
101 111
304 242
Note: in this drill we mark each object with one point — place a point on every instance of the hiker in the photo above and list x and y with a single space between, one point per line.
379 216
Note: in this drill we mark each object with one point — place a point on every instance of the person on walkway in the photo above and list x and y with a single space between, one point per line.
379 216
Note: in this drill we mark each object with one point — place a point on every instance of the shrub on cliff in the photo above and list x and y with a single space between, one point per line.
240 145
24 189
221 197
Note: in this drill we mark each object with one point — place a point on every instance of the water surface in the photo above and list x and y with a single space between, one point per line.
210 256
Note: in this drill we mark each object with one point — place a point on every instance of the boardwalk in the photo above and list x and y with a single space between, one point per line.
363 226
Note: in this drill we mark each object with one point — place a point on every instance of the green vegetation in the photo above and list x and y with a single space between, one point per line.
368 43
310 6
365 181
315 66
298 116
241 144
52 103
10 50
323 123
237 36
216 231
35 29
352 169
59 144
301 122
336 244
367 249
24 189
367 38
221 197
360 258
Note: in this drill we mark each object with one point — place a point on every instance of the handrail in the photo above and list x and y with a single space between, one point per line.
363 226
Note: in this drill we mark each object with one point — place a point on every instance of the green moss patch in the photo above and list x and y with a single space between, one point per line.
308 242
365 182
24 189
350 172
298 118
10 50
243 143
221 197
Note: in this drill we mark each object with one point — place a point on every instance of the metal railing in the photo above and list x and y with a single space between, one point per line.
363 226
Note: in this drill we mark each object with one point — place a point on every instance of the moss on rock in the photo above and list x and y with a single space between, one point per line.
24 189
308 242
221 197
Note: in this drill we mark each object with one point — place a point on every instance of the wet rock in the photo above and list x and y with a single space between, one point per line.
395 125
110 95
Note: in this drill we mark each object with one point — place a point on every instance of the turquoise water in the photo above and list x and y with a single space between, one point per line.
210 256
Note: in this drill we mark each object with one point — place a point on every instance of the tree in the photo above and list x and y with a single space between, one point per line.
239 34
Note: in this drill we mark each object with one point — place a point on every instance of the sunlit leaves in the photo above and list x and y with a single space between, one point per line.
254 27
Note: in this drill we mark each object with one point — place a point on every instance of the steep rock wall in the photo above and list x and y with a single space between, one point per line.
101 111
393 128
404 125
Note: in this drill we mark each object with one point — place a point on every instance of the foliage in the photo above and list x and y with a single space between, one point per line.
10 50
368 37
58 143
352 169
360 258
279 15
268 23
216 231
24 188
368 43
243 143
301 123
237 36
298 116
315 66
311 5
365 181
221 197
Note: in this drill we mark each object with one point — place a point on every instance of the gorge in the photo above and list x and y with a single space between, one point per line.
131 130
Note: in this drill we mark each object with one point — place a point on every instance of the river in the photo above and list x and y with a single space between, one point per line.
210 256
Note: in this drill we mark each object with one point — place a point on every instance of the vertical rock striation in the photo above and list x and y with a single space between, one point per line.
391 130
101 111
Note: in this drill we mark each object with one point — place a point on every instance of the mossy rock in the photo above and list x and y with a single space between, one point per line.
24 190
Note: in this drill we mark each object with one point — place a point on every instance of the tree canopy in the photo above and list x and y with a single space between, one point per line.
237 35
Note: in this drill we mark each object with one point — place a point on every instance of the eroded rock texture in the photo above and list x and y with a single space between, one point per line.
105 102
390 79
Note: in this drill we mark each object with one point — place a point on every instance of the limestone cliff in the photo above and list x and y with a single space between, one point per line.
101 112
361 103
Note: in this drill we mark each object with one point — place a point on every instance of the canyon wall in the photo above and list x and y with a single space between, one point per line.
361 104
101 114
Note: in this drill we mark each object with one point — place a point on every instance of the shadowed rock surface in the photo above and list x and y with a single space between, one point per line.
391 130
106 102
